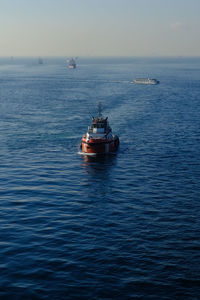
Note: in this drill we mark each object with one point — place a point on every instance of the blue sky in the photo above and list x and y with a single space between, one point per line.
99 27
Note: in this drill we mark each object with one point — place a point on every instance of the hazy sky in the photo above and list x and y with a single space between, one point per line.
99 27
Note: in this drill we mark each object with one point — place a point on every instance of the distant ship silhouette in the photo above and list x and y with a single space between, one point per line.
72 63
40 61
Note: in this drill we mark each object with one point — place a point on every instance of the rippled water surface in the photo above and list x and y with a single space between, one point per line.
123 226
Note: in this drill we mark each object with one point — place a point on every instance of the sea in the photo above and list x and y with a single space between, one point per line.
121 226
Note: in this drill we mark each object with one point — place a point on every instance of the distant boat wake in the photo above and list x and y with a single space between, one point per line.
99 80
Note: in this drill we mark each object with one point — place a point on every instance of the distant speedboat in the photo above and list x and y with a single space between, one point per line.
72 63
146 81
99 138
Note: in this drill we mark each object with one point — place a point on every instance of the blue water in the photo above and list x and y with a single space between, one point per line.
123 226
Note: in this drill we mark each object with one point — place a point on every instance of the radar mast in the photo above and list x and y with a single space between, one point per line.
100 109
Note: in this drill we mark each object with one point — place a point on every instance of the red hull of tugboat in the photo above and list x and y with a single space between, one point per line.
99 146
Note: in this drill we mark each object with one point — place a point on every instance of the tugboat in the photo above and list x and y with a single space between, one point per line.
99 138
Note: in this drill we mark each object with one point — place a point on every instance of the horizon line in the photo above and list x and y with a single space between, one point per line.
101 56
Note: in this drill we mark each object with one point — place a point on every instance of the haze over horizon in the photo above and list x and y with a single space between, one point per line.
100 28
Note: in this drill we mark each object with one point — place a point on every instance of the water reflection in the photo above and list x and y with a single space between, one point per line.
97 176
98 164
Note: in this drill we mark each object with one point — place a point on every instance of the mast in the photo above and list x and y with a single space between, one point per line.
100 109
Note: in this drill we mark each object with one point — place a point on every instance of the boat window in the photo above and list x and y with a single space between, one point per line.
98 125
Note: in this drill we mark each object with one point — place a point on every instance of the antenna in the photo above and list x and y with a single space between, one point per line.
100 109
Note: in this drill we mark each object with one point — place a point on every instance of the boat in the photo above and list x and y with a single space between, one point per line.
40 61
146 81
72 63
99 138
